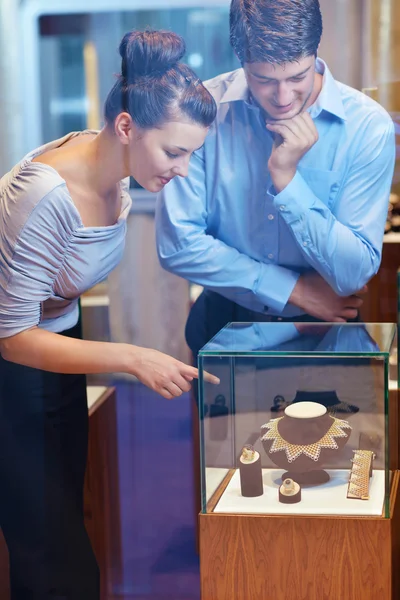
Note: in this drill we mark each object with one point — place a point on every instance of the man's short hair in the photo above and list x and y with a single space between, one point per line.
275 31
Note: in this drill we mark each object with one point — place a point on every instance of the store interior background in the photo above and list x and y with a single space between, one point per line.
57 62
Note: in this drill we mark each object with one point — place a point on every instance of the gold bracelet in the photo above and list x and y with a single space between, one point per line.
360 474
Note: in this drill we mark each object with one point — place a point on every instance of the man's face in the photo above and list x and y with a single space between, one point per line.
282 91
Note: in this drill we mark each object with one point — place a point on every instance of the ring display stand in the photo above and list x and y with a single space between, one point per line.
289 492
251 483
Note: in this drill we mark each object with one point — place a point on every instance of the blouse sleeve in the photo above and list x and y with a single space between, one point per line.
37 222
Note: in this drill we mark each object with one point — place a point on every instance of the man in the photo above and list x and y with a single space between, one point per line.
282 214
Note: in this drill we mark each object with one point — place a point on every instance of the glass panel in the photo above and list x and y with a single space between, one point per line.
67 66
307 400
62 75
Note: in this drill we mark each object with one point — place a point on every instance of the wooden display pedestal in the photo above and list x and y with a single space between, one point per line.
259 557
101 492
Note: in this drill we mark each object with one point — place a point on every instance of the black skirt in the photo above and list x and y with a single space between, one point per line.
43 452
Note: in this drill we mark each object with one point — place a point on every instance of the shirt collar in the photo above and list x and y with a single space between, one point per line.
237 90
329 99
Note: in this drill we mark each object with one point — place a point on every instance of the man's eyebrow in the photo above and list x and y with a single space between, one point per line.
272 79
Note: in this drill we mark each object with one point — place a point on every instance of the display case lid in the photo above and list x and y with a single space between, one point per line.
286 338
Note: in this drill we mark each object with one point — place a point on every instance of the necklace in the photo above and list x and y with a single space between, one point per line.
313 451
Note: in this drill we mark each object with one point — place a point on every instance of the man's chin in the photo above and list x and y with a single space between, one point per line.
271 118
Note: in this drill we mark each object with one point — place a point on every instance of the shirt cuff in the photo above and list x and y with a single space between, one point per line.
294 200
275 287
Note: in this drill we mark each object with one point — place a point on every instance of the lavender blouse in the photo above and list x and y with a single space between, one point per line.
47 257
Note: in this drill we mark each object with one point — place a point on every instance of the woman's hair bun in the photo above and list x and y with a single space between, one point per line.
149 52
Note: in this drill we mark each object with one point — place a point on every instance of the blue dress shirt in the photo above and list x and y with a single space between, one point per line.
224 228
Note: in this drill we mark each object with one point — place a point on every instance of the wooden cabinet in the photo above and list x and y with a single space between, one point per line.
102 515
279 557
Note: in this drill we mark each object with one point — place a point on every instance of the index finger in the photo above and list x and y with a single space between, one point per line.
210 378
283 129
193 372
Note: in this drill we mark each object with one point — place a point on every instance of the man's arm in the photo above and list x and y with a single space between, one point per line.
343 243
186 249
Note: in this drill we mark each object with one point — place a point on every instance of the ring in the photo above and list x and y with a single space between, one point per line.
288 485
248 452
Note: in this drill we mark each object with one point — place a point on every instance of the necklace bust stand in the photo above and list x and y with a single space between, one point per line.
303 439
328 399
251 483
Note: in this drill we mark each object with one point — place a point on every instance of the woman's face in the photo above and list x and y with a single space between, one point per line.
155 156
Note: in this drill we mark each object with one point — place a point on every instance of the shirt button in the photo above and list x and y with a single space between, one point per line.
271 217
270 255
305 244
282 207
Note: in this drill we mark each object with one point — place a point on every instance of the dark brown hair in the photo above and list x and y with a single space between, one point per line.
154 86
275 31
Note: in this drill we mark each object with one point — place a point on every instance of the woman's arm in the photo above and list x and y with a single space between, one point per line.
42 349
36 229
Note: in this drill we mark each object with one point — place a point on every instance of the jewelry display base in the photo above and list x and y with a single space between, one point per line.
326 499
309 478
291 557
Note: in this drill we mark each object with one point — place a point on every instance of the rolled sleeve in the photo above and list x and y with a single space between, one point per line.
343 241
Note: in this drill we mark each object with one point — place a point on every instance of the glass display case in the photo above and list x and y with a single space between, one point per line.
301 420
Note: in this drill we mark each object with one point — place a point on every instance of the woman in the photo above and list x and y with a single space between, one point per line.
63 213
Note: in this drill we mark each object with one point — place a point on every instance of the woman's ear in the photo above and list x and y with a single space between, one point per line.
124 128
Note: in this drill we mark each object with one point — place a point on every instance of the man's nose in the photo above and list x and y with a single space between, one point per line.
283 95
